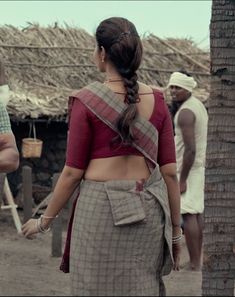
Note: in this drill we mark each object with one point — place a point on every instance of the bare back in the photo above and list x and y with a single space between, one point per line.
124 167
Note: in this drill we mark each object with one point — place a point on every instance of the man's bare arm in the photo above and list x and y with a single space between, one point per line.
186 122
9 155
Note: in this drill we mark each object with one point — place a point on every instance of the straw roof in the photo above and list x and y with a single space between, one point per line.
44 65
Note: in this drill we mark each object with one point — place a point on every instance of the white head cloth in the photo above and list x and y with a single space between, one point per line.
4 94
182 80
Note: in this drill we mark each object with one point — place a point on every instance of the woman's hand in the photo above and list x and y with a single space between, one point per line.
30 228
176 249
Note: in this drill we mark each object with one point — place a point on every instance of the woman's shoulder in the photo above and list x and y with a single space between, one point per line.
144 88
93 86
156 90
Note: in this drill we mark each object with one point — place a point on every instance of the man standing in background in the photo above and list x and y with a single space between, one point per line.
190 123
9 155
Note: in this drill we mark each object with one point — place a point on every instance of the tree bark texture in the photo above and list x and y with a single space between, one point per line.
219 232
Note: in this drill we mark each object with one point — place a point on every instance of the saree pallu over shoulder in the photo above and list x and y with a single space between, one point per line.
105 104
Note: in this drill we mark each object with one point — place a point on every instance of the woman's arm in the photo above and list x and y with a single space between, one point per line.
77 159
167 163
65 186
169 175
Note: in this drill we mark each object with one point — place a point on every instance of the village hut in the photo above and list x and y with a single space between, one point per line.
44 65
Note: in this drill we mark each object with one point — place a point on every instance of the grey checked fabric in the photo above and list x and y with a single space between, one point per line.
126 204
127 259
121 236
5 125
96 94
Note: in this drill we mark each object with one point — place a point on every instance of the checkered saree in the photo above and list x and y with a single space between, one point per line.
121 230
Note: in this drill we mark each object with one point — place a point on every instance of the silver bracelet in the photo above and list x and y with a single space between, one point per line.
48 217
177 238
39 226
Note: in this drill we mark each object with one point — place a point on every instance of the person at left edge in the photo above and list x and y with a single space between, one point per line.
9 155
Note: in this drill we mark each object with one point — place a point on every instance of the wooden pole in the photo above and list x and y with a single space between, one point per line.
12 205
6 191
2 180
56 227
27 192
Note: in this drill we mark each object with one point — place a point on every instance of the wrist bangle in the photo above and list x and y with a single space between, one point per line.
179 235
48 217
40 228
177 238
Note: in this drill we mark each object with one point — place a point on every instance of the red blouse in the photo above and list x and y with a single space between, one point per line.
90 138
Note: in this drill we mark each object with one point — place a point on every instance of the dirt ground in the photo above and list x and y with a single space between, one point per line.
28 269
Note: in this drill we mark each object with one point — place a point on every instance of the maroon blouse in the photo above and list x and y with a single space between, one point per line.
90 138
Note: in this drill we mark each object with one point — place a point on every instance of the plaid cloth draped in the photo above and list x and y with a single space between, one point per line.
120 231
5 126
104 103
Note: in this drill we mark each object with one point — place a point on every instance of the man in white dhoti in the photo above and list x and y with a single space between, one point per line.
190 123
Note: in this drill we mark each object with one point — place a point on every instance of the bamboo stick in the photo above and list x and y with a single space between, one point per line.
12 205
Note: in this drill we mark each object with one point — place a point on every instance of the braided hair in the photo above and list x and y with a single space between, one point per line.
124 49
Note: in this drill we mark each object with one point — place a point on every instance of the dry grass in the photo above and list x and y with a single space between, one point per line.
43 65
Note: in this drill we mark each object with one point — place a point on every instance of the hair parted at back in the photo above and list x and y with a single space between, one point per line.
124 50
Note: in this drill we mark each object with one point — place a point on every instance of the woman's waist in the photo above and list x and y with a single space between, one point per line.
107 152
152 182
117 168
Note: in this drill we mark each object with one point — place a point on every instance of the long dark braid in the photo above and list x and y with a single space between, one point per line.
124 49
127 119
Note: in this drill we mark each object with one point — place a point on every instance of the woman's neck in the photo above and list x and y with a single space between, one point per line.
113 80
112 75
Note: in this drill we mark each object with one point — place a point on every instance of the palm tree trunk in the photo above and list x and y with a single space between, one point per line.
219 232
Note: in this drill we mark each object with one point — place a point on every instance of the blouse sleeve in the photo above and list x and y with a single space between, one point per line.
166 144
79 136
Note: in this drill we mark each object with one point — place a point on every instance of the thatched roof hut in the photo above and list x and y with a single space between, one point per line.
43 65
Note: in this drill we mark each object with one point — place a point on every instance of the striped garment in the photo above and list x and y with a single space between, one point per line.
5 125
